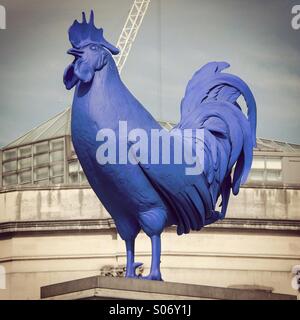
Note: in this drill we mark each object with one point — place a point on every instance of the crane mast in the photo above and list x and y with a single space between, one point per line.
130 30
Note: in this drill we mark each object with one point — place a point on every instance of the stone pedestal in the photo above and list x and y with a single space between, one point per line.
99 287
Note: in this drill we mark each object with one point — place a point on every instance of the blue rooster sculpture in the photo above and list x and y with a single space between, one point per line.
150 197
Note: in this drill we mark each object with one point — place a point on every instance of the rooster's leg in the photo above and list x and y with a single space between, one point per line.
155 273
153 223
131 266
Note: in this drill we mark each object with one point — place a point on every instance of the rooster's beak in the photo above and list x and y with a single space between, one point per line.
75 52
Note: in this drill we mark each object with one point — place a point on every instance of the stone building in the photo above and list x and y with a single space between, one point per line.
53 228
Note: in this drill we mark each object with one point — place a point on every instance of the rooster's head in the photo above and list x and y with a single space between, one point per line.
90 49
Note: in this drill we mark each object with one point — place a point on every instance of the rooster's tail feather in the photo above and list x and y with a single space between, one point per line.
210 102
209 84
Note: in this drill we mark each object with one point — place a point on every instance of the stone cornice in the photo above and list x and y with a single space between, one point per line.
72 187
20 228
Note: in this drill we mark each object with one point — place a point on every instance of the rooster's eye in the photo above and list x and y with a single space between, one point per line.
94 47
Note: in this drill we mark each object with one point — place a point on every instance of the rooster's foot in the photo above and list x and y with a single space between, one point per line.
131 272
152 276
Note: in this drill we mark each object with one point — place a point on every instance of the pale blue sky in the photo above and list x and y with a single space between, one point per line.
176 38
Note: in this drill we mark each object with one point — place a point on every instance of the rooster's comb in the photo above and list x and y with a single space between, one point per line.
82 34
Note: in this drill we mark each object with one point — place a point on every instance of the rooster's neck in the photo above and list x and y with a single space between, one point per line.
102 99
96 93
106 100
108 73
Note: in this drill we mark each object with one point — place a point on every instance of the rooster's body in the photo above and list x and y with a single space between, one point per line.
153 196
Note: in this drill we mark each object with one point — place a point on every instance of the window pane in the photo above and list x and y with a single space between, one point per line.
57 156
41 147
274 163
10 154
25 163
258 163
42 182
10 180
25 152
9 166
73 166
57 145
25 177
256 175
41 159
57 180
57 170
41 173
73 178
274 175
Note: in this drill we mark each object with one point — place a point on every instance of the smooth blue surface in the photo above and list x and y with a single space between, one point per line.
151 197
